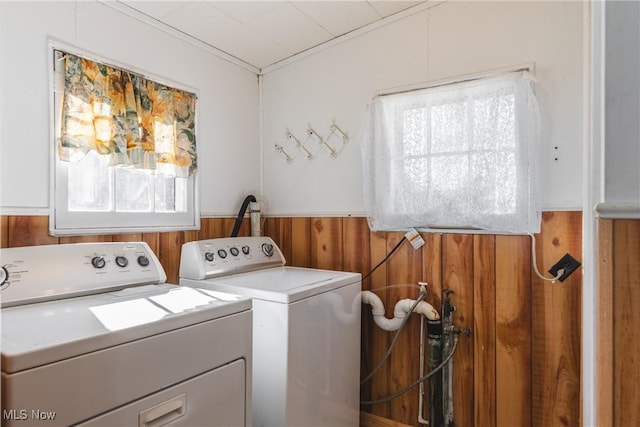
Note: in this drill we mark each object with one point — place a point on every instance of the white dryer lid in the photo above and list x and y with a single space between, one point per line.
279 284
42 333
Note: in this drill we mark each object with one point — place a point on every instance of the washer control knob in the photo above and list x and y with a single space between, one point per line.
208 256
4 276
234 251
222 253
143 261
267 249
122 261
246 250
98 262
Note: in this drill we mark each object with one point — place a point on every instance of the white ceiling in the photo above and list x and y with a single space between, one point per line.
262 33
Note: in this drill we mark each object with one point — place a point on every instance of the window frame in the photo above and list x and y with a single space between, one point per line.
63 222
400 157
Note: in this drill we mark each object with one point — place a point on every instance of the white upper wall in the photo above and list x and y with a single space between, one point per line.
228 98
447 40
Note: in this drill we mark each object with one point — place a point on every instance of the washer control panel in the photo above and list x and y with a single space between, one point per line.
41 273
205 259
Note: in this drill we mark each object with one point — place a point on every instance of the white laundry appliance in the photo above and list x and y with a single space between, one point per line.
93 336
306 329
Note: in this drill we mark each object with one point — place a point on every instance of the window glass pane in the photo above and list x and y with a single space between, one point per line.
89 184
414 125
132 191
181 195
449 127
165 193
494 122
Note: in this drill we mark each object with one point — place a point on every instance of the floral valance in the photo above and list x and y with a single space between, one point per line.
136 121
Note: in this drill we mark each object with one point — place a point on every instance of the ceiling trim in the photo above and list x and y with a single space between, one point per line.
353 34
146 19
127 10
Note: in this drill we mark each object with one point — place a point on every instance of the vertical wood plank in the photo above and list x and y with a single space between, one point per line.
484 331
605 309
626 299
356 259
379 340
432 268
211 228
170 246
457 275
29 231
229 224
404 270
279 229
4 231
513 331
432 274
326 243
556 336
189 236
300 242
153 240
355 243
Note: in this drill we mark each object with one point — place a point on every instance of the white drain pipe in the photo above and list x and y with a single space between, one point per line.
400 311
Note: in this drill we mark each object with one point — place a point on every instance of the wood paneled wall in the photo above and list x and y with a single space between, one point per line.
619 323
520 367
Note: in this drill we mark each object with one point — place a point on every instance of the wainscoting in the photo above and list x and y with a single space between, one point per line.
618 323
520 367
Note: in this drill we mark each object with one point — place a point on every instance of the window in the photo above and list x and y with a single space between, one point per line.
125 157
454 156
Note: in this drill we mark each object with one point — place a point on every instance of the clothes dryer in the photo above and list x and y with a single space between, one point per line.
306 329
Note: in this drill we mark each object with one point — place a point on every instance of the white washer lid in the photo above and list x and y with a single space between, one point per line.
278 284
38 334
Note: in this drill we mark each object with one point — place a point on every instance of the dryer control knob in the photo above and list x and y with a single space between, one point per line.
98 262
234 251
4 276
208 256
246 250
122 261
267 249
143 261
222 253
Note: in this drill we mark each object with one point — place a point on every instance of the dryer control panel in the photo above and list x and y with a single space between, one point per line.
205 259
41 273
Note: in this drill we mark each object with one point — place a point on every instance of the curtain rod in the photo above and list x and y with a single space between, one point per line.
530 67
64 54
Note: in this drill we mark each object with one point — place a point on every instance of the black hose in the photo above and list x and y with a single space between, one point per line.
395 248
243 209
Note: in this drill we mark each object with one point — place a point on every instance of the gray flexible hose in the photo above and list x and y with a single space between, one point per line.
419 380
421 296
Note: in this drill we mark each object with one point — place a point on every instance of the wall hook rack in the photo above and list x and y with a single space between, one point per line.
313 134
313 143
300 146
280 149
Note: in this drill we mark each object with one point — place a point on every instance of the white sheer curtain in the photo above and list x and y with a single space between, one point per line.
461 155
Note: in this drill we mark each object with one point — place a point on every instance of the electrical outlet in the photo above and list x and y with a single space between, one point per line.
567 263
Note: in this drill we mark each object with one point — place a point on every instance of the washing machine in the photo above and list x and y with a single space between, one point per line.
306 329
93 336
